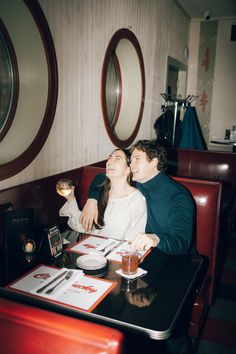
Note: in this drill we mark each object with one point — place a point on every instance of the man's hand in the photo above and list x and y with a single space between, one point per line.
89 214
143 242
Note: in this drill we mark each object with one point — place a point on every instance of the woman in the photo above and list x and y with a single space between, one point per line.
122 212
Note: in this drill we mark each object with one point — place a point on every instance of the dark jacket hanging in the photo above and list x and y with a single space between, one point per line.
164 129
191 133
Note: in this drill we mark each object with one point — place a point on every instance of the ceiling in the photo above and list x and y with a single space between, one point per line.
216 8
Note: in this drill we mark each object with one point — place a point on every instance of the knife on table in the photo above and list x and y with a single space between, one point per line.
55 279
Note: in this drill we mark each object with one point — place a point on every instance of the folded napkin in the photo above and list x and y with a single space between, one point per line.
140 272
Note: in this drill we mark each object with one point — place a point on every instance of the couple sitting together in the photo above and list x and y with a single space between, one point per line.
135 200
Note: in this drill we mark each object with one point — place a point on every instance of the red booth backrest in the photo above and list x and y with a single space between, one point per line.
89 172
207 196
210 165
26 329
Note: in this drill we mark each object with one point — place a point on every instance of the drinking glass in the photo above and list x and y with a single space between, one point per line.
64 187
129 263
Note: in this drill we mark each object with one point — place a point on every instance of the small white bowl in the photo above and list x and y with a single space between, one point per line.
91 261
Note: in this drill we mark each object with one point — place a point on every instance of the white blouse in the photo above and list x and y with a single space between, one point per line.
124 217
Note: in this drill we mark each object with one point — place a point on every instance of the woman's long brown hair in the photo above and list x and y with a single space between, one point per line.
104 194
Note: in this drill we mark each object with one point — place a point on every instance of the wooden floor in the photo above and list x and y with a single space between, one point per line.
219 333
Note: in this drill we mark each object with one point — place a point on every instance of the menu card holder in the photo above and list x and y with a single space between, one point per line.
51 242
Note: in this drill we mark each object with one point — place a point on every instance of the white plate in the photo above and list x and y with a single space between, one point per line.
91 261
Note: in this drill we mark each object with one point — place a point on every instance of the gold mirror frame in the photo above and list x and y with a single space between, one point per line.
123 88
44 123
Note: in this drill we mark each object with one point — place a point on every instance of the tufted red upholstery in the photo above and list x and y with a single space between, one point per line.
26 329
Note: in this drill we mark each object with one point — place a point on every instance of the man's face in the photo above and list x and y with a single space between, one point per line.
141 168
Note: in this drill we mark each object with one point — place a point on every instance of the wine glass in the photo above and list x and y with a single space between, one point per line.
64 187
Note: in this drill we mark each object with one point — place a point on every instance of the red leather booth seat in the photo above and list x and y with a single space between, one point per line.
30 330
210 165
207 196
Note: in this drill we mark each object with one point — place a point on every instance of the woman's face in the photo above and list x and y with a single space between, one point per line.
116 165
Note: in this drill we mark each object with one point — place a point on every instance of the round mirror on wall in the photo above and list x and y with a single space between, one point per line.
37 80
9 81
123 88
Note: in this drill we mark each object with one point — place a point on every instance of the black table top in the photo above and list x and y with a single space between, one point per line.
149 305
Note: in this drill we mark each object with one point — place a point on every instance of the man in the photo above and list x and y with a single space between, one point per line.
170 206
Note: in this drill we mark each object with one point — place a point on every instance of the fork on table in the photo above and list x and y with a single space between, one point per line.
67 277
108 245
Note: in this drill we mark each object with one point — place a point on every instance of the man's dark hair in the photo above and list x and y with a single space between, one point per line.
152 150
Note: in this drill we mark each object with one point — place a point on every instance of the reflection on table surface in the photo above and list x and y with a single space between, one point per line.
149 305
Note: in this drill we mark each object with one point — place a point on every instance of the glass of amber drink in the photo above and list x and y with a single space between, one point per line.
129 263
64 187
